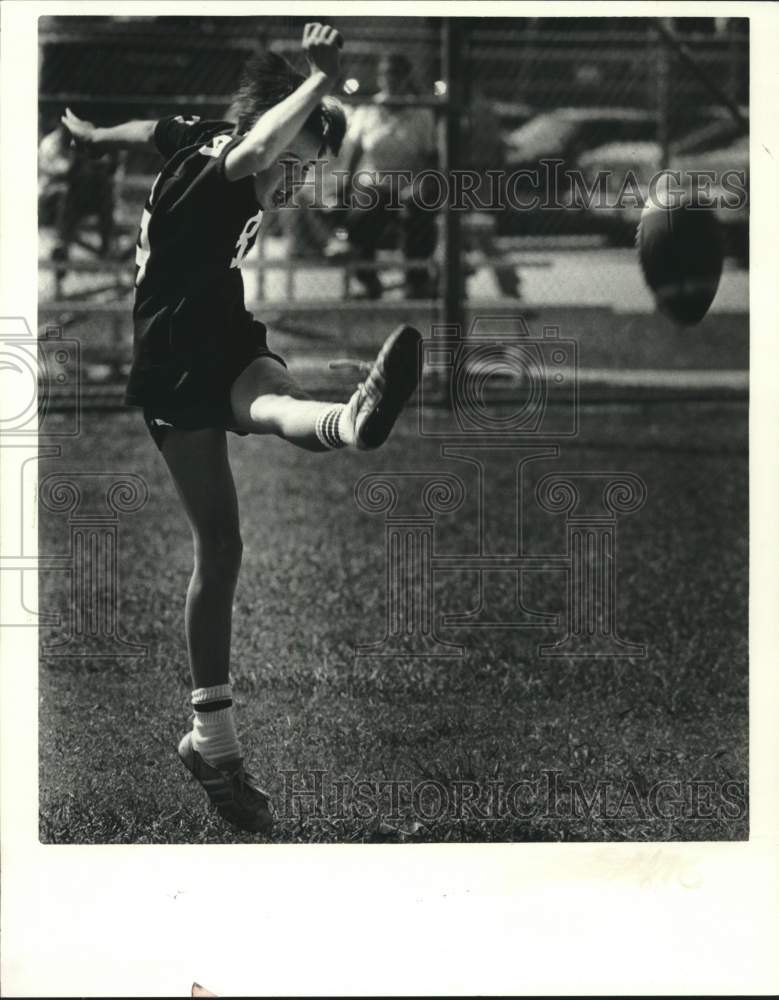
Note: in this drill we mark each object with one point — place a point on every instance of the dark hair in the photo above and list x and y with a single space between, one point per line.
266 81
400 65
397 62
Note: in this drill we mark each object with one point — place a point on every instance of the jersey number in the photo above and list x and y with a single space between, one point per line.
216 145
143 249
246 239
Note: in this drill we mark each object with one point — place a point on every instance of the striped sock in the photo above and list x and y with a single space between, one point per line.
327 429
213 734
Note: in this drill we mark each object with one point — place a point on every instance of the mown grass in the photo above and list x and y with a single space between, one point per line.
312 587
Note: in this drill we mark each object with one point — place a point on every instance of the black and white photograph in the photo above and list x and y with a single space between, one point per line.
378 465
500 268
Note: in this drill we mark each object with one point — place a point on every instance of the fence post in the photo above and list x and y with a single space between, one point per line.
452 72
663 98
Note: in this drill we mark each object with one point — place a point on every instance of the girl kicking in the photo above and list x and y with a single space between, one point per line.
202 365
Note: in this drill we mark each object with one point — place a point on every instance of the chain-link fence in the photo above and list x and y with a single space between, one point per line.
500 128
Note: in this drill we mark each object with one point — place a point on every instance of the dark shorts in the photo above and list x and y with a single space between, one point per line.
201 397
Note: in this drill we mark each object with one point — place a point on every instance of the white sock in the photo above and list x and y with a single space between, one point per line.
328 427
214 735
346 423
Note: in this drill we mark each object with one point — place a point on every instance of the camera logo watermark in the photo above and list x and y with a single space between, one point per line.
34 369
501 381
513 403
41 399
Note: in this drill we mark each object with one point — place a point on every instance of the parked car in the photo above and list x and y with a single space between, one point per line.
729 163
563 135
511 115
566 132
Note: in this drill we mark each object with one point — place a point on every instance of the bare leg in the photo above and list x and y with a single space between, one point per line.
200 468
267 400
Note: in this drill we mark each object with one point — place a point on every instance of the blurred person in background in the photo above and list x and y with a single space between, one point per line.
382 138
72 188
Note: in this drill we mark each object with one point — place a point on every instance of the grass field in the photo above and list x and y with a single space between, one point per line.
312 588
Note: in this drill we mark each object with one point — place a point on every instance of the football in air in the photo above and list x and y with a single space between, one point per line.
680 249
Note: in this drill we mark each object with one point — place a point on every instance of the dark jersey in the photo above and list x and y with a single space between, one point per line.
196 229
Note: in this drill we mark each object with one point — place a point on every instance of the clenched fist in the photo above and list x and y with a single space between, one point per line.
322 45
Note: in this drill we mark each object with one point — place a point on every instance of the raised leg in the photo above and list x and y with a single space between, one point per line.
266 399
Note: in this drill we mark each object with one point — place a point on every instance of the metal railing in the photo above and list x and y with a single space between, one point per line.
108 69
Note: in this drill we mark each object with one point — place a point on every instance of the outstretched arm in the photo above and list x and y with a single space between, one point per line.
85 135
271 135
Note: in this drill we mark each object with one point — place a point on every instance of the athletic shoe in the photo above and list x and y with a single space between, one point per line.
393 377
233 792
